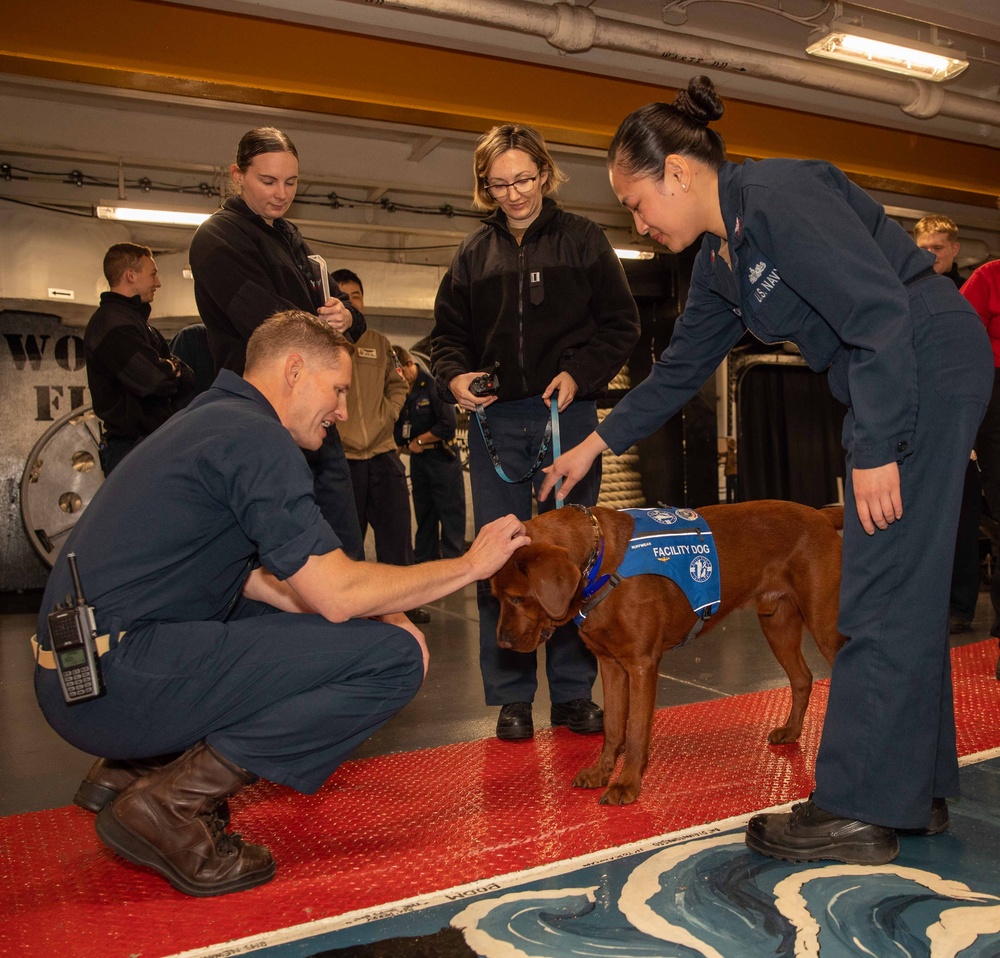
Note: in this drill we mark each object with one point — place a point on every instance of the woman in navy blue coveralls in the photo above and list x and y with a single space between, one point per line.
793 251
425 429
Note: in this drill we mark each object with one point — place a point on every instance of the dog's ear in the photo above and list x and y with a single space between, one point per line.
553 577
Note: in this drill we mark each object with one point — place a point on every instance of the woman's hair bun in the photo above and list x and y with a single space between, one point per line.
700 102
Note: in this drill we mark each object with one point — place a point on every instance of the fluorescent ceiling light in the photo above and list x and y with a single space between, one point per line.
634 253
139 213
880 51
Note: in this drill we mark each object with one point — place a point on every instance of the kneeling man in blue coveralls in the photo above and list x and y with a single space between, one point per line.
238 640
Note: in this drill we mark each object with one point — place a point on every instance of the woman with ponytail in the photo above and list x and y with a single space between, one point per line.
249 263
793 251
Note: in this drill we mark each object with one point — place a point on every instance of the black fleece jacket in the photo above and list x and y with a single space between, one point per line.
245 271
135 384
559 301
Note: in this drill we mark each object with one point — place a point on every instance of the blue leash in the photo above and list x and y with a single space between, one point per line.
551 432
556 448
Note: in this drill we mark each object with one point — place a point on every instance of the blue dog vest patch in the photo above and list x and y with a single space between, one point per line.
678 544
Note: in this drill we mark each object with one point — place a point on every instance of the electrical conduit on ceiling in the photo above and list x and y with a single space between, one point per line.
577 29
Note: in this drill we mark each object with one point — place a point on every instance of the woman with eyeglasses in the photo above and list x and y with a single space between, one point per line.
793 251
249 263
537 294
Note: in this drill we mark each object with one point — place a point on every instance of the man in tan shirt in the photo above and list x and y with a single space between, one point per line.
378 475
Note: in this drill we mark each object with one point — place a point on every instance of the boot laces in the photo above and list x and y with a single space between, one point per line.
801 810
228 844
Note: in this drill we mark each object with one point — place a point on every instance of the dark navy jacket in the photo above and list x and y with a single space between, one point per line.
426 411
174 531
132 383
815 262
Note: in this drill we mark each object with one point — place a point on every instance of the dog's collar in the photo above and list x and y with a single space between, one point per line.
593 583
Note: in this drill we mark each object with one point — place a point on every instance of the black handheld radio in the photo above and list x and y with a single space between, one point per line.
72 629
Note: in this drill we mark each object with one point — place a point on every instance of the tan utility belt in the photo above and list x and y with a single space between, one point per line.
47 658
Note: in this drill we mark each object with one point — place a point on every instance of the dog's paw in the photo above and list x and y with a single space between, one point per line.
785 735
619 794
590 778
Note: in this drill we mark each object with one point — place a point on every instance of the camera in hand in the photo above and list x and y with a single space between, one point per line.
487 384
72 630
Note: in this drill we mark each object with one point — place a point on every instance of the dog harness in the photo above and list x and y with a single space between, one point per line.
675 543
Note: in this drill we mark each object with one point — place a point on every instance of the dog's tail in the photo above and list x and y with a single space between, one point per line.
835 514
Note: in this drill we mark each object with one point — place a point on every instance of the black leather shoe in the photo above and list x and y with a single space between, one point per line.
808 834
938 823
515 721
581 715
419 616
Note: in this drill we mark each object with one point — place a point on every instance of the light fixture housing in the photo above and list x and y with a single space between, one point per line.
868 48
150 213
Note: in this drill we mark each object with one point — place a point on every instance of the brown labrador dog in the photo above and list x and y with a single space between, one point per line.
782 558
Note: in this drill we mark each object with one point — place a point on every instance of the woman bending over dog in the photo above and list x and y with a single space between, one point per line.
794 251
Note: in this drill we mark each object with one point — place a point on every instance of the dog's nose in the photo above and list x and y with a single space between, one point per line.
504 641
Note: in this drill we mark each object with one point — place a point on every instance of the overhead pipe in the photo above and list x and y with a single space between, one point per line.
576 29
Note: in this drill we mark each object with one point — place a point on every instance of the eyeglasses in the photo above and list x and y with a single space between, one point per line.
500 190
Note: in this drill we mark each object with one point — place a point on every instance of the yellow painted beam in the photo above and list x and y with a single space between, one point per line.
180 50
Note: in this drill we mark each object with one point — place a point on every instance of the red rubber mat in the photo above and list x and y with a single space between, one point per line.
389 828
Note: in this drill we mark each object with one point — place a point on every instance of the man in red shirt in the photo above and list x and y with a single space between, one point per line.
982 289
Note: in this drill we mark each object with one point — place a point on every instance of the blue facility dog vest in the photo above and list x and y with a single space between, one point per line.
678 544
675 543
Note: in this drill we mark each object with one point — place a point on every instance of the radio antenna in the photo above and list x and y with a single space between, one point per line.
71 559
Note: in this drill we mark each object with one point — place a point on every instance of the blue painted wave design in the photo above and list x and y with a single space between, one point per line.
582 922
712 898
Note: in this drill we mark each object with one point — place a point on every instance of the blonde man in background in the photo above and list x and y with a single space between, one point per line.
939 235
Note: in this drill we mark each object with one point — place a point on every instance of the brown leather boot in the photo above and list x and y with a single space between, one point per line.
108 778
167 820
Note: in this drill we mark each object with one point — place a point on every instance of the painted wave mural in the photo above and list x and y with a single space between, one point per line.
713 899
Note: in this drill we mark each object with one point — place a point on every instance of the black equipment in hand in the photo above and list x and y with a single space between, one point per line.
487 384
